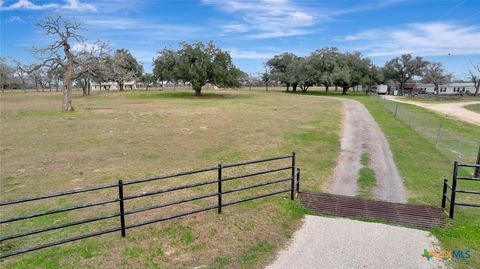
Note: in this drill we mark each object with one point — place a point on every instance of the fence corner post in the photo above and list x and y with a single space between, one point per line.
122 208
444 193
219 195
476 172
292 191
454 189
298 180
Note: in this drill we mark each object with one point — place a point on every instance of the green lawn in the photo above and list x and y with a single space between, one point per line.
114 135
366 179
474 107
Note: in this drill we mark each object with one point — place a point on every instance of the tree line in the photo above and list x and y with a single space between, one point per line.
329 67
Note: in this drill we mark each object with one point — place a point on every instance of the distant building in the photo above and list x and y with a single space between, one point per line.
451 88
111 85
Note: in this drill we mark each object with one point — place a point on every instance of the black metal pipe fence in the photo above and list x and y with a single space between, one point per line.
454 188
122 198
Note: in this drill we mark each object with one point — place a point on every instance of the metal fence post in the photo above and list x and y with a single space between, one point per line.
444 193
476 172
454 188
298 180
292 192
122 209
219 173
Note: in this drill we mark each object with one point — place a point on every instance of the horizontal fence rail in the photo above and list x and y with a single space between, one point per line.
122 198
454 187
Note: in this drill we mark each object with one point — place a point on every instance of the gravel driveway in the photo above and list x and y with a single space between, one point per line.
361 134
452 109
342 243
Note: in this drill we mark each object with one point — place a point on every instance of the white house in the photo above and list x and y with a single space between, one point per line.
451 88
111 85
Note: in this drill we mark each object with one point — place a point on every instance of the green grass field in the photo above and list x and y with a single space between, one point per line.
474 107
130 135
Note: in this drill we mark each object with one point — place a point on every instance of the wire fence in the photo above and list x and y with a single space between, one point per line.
455 142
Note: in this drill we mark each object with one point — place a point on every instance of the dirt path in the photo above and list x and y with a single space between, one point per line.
453 109
341 243
362 135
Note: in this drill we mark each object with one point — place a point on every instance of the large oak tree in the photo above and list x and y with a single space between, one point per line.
404 68
62 55
198 64
435 73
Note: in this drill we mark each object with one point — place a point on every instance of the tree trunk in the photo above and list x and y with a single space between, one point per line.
84 86
89 86
326 89
37 87
197 89
67 89
401 88
121 85
344 90
336 88
266 86
288 87
294 87
477 88
437 90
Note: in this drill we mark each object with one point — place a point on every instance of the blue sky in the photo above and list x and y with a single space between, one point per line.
253 31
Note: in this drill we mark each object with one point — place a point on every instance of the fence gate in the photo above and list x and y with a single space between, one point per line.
454 187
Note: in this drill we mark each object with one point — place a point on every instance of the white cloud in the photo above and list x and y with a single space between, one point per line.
85 46
78 6
299 17
235 28
266 18
29 5
249 54
138 29
282 18
13 19
427 39
26 4
276 34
